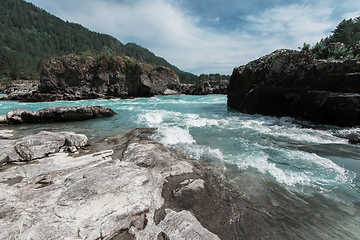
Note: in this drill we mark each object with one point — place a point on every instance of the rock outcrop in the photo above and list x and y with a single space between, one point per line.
74 78
95 197
19 87
149 192
39 146
290 83
55 114
205 87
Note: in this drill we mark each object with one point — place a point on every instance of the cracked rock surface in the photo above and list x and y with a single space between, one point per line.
39 146
96 197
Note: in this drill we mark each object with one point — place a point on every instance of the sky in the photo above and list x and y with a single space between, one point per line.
208 36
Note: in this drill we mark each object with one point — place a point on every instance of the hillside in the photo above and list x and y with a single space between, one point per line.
30 35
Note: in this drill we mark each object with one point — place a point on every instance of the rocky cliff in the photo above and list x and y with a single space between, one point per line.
290 83
73 78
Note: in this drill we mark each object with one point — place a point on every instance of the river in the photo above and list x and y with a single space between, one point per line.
304 172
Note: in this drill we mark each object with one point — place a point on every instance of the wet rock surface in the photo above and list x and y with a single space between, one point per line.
55 114
290 83
146 192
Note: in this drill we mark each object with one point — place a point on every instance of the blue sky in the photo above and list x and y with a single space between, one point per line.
208 36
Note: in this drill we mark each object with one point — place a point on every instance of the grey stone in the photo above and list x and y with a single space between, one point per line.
95 197
38 146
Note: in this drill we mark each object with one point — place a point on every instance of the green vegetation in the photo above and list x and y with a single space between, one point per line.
343 44
213 76
29 36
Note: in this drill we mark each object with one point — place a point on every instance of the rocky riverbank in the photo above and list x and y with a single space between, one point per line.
290 83
123 187
74 78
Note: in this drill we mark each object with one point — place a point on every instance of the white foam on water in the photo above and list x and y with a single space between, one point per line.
297 168
260 162
155 118
205 152
170 136
194 120
281 128
306 135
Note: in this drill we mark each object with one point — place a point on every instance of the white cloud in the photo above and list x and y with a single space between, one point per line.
295 23
167 30
352 15
169 33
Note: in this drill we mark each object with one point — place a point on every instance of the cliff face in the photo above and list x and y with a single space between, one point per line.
70 78
290 83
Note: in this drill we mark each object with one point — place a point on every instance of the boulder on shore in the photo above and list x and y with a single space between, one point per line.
55 114
290 83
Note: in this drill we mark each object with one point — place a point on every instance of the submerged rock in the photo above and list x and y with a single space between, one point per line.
290 83
55 114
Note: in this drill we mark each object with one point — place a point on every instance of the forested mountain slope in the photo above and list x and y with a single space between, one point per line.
30 35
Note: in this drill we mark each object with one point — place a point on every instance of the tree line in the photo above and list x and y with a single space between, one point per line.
342 44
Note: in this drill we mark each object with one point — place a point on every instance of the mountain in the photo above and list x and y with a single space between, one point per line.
30 35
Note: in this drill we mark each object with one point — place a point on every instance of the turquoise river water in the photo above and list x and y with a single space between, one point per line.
306 172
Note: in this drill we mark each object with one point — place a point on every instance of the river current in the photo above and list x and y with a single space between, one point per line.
304 172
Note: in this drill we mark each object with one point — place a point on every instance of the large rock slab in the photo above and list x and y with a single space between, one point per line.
39 146
146 192
55 114
95 197
290 83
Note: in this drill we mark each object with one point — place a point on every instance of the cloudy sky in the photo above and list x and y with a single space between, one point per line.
208 36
